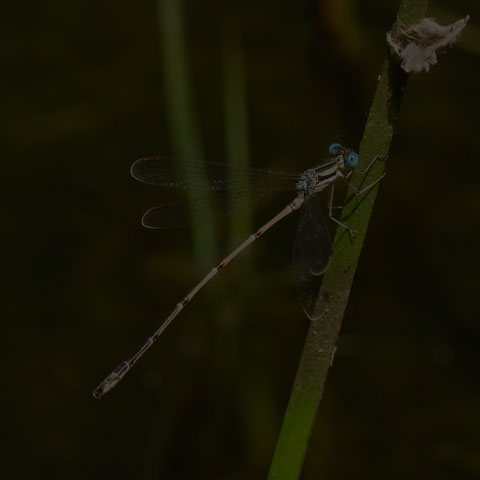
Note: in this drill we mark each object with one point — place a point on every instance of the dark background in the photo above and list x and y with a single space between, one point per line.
83 95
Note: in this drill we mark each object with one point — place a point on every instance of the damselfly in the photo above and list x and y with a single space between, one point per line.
244 185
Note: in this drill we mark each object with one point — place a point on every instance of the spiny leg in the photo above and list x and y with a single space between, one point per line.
369 166
364 189
355 191
330 213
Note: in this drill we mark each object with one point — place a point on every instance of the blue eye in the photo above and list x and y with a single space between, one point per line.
333 149
352 159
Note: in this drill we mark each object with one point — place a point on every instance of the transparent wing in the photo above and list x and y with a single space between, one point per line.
195 175
203 207
311 254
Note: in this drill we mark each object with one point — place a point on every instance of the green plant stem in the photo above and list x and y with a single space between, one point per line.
180 113
236 123
322 336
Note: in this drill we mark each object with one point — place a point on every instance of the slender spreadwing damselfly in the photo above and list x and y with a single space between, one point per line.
245 186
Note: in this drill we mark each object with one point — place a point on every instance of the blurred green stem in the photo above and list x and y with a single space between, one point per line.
322 336
236 121
185 137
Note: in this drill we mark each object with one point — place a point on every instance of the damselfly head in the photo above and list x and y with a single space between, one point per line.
349 157
335 149
352 159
